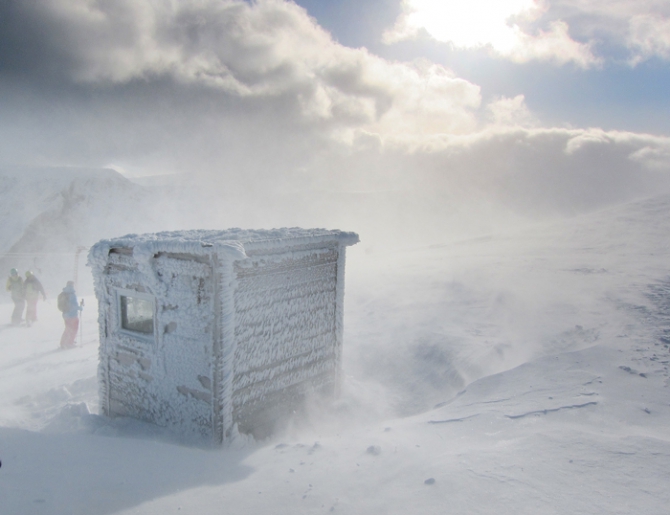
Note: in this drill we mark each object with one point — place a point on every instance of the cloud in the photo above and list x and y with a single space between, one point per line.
638 30
586 33
554 45
511 111
269 49
472 24
505 27
653 157
537 171
649 36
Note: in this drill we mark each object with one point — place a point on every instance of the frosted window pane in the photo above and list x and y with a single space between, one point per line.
137 315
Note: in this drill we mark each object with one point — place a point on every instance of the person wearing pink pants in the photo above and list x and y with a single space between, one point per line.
70 309
70 333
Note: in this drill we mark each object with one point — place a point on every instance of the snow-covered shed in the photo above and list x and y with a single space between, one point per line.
218 332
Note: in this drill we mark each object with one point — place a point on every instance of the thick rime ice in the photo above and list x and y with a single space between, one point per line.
215 332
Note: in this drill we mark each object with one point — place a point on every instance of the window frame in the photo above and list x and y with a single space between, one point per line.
122 292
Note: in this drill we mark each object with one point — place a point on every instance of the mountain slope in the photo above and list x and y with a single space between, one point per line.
50 212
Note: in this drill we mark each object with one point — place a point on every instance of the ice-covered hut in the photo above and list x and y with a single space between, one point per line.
218 332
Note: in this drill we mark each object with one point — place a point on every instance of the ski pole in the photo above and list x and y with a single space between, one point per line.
81 322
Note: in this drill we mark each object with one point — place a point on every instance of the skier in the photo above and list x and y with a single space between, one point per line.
15 286
67 303
32 289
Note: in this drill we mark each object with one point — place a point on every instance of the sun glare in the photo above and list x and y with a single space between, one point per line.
470 23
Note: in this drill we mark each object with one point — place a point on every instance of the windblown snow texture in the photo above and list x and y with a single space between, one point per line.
246 323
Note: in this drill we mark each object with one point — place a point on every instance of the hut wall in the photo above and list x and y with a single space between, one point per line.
166 377
285 331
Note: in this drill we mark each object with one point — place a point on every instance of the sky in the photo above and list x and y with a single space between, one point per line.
471 112
604 73
614 78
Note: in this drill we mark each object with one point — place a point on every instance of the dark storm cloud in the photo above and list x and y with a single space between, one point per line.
29 43
69 39
202 83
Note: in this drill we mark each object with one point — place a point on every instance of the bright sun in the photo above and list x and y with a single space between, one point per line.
469 23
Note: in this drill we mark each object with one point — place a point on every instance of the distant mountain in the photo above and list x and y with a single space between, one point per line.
48 213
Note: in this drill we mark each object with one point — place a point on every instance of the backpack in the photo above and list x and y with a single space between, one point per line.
63 301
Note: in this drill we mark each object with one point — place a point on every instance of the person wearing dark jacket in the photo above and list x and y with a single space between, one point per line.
70 317
15 287
32 288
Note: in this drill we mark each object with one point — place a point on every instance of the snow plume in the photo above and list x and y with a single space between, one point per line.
399 193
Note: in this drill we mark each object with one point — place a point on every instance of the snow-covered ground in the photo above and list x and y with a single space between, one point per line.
526 372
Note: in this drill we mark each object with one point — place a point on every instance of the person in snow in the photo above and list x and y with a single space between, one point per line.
15 287
70 308
32 289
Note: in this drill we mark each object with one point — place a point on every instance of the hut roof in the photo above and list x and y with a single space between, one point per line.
234 242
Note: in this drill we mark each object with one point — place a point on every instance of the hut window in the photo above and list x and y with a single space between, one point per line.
136 313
